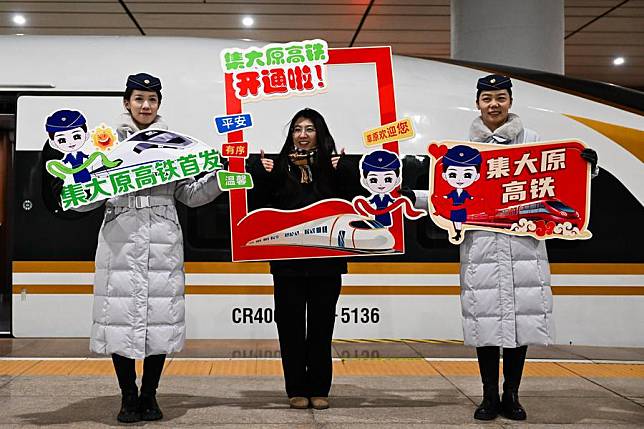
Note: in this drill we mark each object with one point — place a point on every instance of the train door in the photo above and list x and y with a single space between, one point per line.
7 126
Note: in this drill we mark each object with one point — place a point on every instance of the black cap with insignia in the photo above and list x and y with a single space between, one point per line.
493 82
143 82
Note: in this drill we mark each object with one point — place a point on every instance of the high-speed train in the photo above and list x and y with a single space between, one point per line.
47 255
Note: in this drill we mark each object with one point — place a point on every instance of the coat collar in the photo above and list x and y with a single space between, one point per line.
126 123
479 132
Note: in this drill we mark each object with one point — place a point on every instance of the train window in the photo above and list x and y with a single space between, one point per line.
375 224
359 224
207 230
427 241
612 209
561 206
366 224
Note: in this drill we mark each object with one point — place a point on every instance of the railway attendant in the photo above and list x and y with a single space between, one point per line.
505 280
506 300
305 291
138 310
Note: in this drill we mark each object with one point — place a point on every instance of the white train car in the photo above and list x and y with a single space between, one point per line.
47 256
345 232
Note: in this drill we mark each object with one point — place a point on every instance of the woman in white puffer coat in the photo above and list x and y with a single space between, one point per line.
505 280
506 299
138 310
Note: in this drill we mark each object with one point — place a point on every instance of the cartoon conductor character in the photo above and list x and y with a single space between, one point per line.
381 175
461 167
67 131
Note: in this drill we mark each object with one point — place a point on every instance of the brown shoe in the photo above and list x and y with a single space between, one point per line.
320 403
299 402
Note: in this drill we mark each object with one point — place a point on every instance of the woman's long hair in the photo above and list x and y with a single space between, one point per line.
321 169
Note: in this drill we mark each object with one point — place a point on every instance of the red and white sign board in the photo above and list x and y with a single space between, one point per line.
540 190
328 228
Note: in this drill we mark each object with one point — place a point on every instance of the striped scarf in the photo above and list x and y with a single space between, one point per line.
304 159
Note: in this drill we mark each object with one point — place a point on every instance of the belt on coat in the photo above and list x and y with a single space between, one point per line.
142 201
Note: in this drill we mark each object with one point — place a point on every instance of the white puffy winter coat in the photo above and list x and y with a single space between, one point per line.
139 282
138 306
506 298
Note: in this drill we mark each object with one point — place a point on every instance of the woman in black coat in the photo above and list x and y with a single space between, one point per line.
305 291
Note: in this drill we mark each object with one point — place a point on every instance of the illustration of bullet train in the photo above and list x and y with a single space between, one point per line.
151 146
546 210
346 231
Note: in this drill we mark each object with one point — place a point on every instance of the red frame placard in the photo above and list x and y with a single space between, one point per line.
381 58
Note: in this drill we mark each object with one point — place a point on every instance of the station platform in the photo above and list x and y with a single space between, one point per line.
377 384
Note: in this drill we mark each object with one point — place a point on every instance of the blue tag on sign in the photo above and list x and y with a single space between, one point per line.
227 124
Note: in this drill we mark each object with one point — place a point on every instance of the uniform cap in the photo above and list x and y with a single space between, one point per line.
64 120
380 160
462 156
493 82
143 82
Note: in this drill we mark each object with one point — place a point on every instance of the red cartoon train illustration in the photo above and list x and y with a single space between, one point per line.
545 210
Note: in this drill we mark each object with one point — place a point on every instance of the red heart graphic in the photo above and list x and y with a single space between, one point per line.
437 151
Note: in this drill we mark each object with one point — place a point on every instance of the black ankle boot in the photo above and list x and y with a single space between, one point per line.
490 406
129 407
510 406
149 407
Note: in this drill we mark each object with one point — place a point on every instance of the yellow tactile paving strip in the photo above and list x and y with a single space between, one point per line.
606 370
547 369
383 367
456 367
188 367
347 367
15 367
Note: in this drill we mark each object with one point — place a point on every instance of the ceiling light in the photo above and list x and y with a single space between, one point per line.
248 21
19 20
618 61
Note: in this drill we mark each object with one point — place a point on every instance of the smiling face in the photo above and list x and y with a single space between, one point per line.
460 177
143 106
68 141
381 182
304 134
494 107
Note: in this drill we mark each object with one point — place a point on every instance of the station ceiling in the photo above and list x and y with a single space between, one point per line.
597 31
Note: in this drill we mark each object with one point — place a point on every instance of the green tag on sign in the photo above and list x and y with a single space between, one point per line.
229 180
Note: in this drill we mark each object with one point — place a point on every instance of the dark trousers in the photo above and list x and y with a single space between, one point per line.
305 315
126 373
513 360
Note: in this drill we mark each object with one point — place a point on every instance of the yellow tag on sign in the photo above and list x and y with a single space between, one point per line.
394 131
